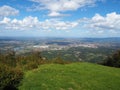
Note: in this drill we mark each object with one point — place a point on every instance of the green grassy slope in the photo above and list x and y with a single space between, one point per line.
76 76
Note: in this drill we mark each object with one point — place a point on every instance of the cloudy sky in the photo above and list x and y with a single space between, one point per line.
60 18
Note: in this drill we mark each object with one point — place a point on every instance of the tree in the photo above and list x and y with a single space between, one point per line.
114 60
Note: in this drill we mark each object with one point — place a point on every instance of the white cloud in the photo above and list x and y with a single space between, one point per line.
53 14
109 22
32 23
5 20
98 24
8 11
57 6
57 14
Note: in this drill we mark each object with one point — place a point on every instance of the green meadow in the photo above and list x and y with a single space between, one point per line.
75 76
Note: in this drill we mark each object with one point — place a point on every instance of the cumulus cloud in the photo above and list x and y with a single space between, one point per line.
8 11
33 23
98 23
57 6
109 22
56 14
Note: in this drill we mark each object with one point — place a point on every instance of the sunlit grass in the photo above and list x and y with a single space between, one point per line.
76 76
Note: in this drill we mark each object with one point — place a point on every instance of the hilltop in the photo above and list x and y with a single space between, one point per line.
75 76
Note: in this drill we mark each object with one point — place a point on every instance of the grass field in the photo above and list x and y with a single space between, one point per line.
75 76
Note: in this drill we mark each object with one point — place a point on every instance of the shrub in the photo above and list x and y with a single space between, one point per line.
9 77
59 60
30 66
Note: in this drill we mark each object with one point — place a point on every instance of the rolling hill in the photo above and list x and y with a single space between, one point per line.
75 76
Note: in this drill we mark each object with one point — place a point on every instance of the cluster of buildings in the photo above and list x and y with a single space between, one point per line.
62 47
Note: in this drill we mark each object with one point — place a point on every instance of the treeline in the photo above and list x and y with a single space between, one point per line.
113 60
12 67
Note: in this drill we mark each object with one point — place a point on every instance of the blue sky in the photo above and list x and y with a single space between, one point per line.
60 18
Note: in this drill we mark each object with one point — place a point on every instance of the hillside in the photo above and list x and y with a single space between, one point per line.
75 76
